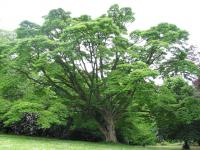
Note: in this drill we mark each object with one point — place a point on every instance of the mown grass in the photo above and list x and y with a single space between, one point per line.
13 142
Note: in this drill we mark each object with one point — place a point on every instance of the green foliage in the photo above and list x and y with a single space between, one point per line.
85 128
55 22
179 87
4 107
27 29
121 16
17 111
136 131
45 117
182 107
164 47
164 32
88 74
189 110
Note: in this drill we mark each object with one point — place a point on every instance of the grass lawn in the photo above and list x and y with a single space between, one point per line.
12 142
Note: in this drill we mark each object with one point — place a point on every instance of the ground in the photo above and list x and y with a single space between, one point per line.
12 142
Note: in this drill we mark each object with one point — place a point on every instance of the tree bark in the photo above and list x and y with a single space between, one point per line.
108 128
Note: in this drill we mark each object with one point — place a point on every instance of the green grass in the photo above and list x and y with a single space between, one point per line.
12 142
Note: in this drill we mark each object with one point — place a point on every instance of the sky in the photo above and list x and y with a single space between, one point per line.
184 13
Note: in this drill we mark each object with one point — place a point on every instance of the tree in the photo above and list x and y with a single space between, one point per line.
177 102
85 61
98 70
27 29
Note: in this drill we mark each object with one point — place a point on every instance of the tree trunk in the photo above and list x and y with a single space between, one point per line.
110 134
186 145
108 128
68 126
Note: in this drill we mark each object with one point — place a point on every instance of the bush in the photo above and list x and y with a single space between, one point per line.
85 128
25 117
133 132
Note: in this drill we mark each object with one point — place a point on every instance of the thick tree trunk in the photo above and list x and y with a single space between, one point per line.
108 128
110 134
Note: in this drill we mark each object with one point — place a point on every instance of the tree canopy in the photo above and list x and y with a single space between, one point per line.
70 67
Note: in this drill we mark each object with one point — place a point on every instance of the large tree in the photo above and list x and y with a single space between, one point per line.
92 64
84 60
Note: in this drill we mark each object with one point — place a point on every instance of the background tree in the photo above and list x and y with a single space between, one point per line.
177 111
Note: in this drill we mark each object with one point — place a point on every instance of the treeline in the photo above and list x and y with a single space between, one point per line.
89 79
